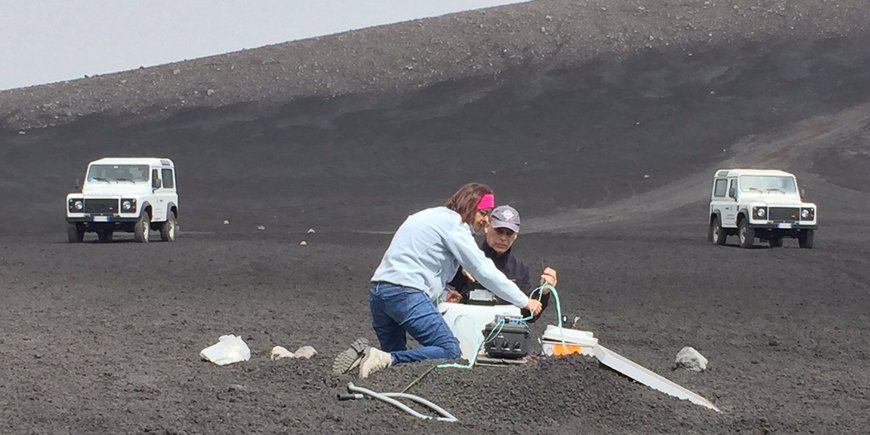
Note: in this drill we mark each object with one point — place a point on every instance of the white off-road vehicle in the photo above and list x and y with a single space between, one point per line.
134 195
759 203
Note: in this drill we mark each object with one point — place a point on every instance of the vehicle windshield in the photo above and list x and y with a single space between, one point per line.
767 183
118 173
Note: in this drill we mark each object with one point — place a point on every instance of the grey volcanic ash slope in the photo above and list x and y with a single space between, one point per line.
542 35
610 98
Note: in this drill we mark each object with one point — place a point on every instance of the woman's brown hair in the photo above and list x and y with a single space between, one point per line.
465 200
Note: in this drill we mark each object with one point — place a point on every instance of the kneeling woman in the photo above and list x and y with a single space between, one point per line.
425 253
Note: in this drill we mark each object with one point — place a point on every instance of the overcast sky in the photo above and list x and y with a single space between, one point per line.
45 41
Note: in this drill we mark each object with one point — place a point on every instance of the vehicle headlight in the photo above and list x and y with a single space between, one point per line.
75 205
759 212
128 205
808 214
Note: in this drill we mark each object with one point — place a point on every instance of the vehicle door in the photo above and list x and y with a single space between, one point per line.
158 198
718 196
729 205
165 194
169 190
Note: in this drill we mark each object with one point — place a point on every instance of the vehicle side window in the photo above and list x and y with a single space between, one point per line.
721 187
168 179
155 178
732 191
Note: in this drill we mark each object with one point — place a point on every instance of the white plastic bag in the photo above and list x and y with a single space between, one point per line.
229 349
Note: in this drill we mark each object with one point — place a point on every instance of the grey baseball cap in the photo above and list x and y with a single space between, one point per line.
505 216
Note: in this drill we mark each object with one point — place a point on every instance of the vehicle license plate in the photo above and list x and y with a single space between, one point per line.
102 218
784 226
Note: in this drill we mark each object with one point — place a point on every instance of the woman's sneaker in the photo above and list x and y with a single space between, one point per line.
349 358
374 360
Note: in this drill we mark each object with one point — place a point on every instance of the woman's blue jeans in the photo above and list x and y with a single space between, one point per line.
398 310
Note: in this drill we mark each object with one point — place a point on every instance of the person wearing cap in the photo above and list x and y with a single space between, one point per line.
425 252
501 233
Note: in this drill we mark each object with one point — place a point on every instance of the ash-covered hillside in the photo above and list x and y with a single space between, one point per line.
559 104
541 35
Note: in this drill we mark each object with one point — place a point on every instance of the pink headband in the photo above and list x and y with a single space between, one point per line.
486 201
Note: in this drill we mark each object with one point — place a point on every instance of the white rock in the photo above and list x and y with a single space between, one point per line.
279 352
303 243
226 222
311 231
261 227
691 359
305 352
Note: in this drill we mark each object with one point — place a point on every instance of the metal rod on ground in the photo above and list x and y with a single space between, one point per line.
419 378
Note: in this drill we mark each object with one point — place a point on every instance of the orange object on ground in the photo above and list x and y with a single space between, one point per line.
559 349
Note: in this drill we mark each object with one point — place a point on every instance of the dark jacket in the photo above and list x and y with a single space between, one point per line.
514 269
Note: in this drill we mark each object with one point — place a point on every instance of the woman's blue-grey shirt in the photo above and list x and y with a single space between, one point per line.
428 249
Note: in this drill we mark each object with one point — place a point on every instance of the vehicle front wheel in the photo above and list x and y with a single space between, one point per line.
142 228
169 229
75 233
717 233
805 239
747 235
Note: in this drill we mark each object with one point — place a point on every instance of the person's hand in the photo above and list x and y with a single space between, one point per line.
534 307
453 296
549 277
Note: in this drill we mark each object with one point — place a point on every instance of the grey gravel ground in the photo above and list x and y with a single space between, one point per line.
602 122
